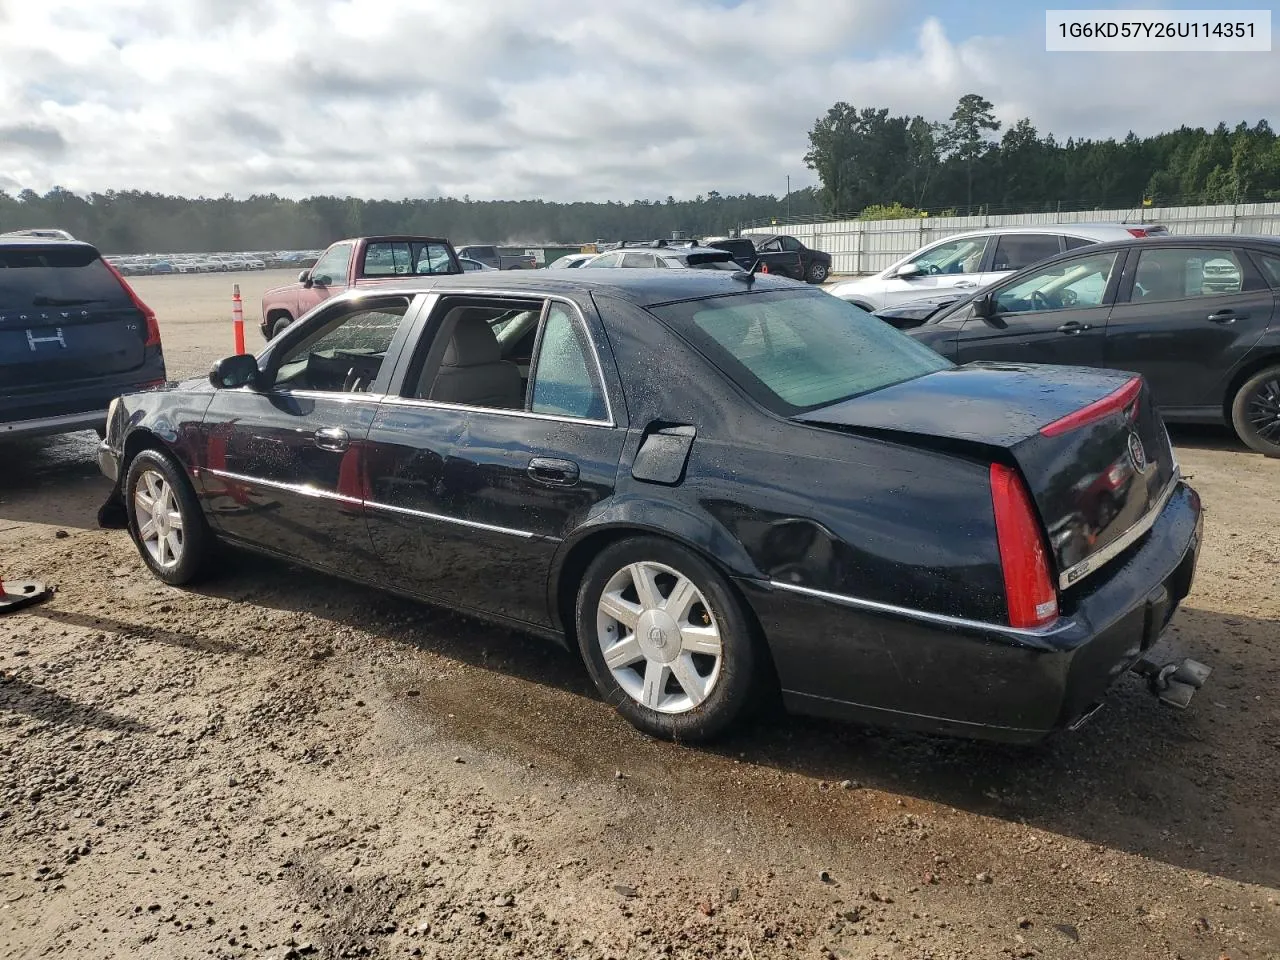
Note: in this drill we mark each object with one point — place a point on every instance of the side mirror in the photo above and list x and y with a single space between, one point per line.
304 277
984 307
239 370
907 271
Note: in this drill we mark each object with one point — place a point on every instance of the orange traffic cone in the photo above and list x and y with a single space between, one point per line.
21 593
764 268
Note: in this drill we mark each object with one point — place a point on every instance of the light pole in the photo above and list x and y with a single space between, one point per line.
788 196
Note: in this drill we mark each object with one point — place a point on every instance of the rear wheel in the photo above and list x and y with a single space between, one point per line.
165 519
280 324
818 272
1255 412
666 640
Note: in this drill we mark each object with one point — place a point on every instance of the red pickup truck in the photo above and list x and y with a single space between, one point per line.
357 262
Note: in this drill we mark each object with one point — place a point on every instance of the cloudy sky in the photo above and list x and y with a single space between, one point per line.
559 99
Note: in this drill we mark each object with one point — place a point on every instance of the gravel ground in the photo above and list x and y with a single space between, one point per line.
279 764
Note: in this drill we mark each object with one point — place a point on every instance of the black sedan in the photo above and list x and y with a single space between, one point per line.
1196 316
709 484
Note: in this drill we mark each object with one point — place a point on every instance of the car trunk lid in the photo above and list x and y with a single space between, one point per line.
64 316
1089 444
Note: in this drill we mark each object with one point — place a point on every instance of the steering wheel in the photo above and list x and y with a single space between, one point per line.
1069 298
933 269
354 383
1039 301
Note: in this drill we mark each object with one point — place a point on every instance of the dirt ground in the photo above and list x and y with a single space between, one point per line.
277 764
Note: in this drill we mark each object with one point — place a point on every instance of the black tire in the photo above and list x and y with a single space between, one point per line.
280 324
1255 411
741 665
195 537
818 273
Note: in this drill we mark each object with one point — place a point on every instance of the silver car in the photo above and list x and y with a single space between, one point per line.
963 262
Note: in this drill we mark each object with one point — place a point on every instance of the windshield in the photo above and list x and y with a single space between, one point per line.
797 350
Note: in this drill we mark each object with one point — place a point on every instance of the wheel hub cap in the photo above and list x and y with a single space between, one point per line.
658 635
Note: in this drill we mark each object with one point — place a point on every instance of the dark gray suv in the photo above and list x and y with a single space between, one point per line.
73 336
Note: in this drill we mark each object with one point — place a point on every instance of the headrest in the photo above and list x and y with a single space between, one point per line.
473 342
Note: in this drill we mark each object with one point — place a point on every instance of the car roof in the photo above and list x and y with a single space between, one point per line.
644 288
1089 231
43 243
1179 240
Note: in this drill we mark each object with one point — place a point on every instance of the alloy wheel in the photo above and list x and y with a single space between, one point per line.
659 638
1263 410
159 519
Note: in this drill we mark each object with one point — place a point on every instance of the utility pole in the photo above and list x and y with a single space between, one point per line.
788 196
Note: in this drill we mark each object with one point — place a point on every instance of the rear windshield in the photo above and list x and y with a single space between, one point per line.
57 277
797 350
402 257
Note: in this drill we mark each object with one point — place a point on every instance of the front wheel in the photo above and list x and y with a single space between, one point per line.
666 640
1255 412
165 519
280 325
818 272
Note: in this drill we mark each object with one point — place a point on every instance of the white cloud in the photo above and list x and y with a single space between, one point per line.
554 98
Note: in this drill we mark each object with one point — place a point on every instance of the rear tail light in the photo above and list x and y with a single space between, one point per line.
153 325
1113 402
1028 588
1138 231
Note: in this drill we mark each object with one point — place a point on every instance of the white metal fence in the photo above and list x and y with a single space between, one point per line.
868 246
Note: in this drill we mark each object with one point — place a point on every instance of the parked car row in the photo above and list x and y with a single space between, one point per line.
962 262
780 255
144 265
1196 316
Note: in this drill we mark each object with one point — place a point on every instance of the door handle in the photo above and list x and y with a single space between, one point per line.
1227 316
966 283
332 438
1072 327
555 473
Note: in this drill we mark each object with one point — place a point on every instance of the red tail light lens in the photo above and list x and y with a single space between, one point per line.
1137 231
153 325
1028 588
1098 410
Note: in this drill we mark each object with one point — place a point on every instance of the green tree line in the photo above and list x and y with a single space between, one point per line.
139 222
865 157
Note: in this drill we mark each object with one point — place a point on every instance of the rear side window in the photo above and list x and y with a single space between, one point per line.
57 277
563 381
637 260
1174 274
1017 250
1271 267
1074 243
796 350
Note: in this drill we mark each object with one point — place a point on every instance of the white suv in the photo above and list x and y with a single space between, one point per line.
963 262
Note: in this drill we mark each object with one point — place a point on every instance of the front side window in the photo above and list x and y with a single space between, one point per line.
1177 274
953 256
1017 250
642 260
332 266
344 355
796 350
604 260
791 244
1074 285
564 383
